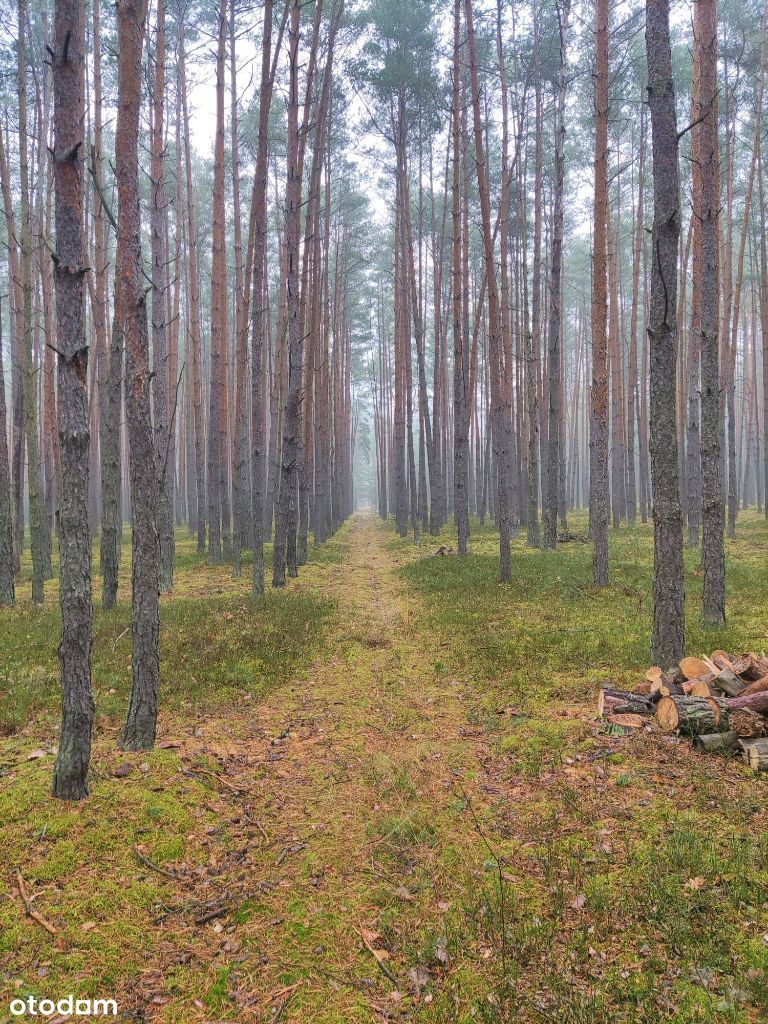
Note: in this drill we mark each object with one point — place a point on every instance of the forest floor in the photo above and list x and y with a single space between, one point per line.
382 795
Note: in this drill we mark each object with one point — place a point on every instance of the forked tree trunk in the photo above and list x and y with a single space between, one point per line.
70 779
141 721
668 638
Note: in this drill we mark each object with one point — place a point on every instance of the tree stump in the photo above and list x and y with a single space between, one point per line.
693 716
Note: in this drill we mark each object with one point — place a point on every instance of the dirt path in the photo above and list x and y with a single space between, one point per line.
355 778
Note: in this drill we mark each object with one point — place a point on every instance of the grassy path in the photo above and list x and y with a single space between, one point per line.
358 776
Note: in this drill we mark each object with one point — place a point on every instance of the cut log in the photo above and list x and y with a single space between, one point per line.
758 664
619 702
700 688
692 668
721 711
755 754
627 721
741 664
723 660
712 742
654 673
729 683
756 686
752 667
666 687
748 723
753 701
643 689
674 675
693 716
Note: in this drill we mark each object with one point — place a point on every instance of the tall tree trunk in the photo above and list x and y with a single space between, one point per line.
598 441
70 779
499 412
193 327
292 415
668 639
555 293
141 721
219 318
693 432
708 214
109 366
7 588
34 484
733 491
240 467
763 318
259 315
632 384
159 307
537 463
460 342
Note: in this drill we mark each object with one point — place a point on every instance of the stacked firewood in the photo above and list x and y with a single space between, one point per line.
721 703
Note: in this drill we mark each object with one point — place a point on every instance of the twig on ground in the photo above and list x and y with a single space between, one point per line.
376 954
215 775
211 915
31 912
155 867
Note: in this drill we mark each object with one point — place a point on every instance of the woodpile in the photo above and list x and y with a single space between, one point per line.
720 703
